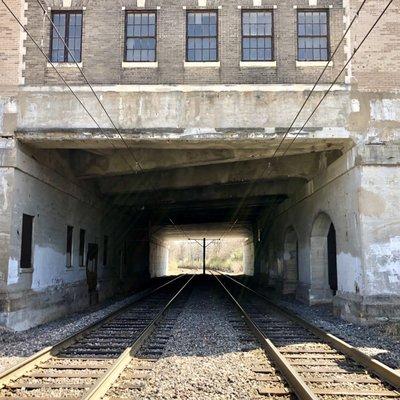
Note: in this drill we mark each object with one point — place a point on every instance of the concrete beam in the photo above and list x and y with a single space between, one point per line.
310 139
88 164
183 107
304 166
232 192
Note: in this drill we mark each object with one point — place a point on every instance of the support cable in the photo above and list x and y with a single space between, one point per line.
179 229
325 94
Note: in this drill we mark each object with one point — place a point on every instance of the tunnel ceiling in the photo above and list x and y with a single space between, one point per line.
195 185
212 190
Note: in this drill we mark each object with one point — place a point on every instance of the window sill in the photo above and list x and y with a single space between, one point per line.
201 64
313 63
65 64
25 270
136 64
257 64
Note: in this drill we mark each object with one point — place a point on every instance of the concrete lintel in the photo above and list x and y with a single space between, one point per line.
301 166
314 139
295 87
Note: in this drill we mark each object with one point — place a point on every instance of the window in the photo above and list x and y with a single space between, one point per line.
70 231
140 36
257 36
69 27
312 31
202 36
26 241
82 234
105 250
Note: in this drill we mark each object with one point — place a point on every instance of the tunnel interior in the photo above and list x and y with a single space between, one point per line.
185 192
121 226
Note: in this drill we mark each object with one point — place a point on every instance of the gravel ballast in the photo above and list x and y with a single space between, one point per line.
204 358
371 340
15 346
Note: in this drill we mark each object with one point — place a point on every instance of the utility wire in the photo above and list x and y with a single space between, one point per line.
104 109
77 98
339 74
56 70
326 92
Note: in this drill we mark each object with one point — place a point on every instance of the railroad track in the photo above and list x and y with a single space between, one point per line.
306 361
86 364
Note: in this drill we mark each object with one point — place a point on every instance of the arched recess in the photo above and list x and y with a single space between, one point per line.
323 259
290 262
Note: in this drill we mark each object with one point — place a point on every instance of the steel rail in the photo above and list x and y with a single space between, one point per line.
299 386
105 383
387 374
18 370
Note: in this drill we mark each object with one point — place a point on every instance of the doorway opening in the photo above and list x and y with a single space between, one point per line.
91 272
332 262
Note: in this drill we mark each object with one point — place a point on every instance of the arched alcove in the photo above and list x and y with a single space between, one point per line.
290 262
323 259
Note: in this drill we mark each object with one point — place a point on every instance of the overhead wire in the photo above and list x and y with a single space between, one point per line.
179 229
313 89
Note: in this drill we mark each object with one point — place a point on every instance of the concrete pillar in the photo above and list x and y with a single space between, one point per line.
8 265
377 295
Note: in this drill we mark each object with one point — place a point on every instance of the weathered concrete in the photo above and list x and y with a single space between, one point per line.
204 139
367 226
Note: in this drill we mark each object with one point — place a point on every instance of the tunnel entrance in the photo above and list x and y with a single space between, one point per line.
332 262
172 254
226 256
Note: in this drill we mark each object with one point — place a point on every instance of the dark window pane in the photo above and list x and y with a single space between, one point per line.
26 241
67 29
257 35
201 36
140 40
70 230
312 31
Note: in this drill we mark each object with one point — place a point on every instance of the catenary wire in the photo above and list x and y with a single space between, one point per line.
179 229
325 94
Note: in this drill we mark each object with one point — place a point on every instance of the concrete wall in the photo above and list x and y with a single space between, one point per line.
50 288
248 257
158 258
358 195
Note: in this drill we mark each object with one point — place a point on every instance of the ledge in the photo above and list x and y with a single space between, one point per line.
313 63
139 64
201 64
65 64
25 270
257 64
